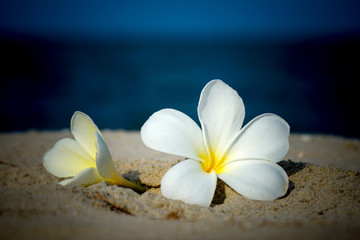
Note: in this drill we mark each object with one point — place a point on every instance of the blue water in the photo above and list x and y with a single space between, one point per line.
311 84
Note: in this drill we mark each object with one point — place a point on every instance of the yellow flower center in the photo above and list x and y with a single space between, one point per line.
212 161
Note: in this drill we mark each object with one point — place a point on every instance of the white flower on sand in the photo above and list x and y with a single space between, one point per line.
85 160
245 159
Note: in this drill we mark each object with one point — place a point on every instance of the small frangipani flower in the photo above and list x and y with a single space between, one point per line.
244 158
85 160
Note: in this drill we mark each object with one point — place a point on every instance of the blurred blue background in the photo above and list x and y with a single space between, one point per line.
120 61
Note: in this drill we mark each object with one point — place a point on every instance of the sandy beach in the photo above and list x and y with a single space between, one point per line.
323 199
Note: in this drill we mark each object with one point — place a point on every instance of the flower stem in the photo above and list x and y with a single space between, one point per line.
125 183
137 187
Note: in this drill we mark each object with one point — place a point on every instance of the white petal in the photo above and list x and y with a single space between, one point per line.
221 113
265 137
104 162
188 182
65 182
173 132
256 179
83 129
66 158
86 177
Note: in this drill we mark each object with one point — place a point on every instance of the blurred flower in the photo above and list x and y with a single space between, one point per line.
244 158
85 160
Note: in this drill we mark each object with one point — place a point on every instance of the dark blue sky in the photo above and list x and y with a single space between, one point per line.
180 20
120 61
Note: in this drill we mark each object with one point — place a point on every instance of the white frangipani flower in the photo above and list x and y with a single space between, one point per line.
245 159
85 160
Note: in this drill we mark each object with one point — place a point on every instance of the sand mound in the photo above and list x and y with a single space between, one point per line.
323 198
